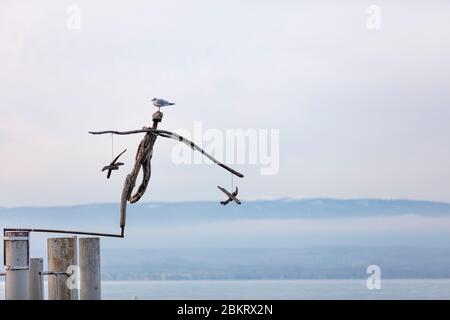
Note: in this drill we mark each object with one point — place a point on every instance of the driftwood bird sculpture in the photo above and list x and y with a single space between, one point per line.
231 196
143 159
114 165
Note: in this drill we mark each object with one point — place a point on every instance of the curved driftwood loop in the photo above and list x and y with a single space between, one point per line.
143 159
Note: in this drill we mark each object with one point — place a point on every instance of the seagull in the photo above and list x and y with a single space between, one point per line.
114 165
161 103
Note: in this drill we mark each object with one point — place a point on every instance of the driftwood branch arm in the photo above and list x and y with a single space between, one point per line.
177 137
172 135
143 159
144 130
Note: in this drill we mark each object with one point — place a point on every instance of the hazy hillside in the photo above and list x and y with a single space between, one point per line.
313 238
206 211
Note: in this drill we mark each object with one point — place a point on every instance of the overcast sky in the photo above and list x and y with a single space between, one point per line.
361 113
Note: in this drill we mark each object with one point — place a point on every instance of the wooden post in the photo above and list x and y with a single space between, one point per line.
61 254
16 263
35 279
90 275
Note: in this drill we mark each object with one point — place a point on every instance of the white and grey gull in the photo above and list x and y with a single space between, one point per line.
159 103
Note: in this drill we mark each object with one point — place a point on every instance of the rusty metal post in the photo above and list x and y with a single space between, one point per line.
62 254
16 261
35 279
90 275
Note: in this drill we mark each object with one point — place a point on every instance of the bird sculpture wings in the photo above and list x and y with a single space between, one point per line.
231 196
114 165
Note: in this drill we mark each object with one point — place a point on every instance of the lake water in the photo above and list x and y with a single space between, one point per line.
282 289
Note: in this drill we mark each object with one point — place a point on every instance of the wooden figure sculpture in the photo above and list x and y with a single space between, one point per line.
143 159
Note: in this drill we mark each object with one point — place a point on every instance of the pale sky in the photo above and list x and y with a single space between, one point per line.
361 113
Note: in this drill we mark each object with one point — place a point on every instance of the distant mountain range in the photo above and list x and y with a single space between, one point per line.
207 210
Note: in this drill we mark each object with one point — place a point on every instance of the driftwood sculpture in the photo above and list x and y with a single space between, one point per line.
143 159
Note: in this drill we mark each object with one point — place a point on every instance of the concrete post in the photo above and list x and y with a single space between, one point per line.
35 279
61 254
90 276
16 263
